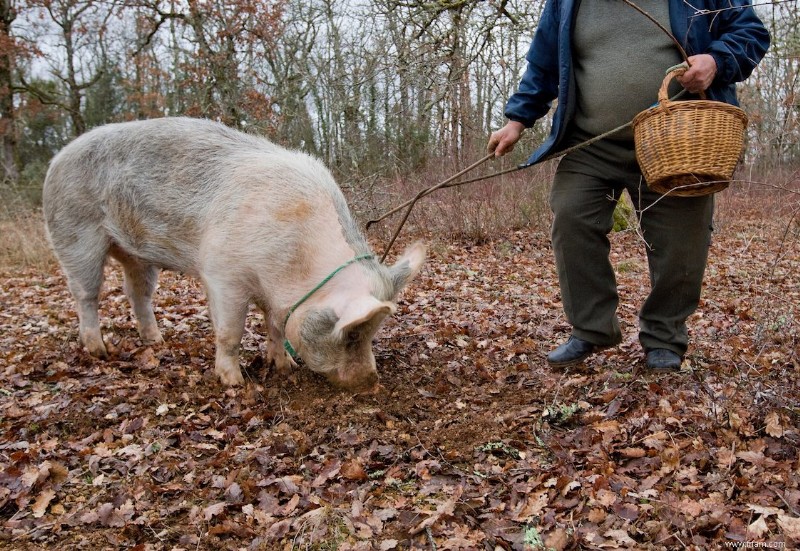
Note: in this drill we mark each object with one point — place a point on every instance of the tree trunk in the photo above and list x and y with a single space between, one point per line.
8 147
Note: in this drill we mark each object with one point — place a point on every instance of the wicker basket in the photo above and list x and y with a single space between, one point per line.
688 148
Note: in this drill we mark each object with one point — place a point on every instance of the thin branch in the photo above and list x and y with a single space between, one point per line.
698 12
163 18
662 27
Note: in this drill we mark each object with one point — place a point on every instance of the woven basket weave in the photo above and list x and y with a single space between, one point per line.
688 148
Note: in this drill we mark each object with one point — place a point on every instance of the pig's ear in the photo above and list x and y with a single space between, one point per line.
407 266
362 315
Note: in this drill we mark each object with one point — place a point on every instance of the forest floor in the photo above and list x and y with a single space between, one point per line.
471 442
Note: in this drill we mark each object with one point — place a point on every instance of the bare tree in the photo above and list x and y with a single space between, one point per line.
374 87
78 58
8 49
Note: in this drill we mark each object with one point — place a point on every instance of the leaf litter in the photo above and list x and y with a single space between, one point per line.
471 442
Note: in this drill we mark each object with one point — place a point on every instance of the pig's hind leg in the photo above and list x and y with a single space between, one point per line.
140 283
82 258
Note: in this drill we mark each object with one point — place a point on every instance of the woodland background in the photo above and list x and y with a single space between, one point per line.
472 442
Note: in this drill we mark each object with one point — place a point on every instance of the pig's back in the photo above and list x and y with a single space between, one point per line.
157 186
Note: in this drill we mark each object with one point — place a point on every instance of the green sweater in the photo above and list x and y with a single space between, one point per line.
620 59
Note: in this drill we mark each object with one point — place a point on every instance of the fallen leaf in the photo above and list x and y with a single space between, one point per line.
773 424
40 505
790 526
758 527
289 507
234 494
621 537
213 510
444 509
633 452
353 470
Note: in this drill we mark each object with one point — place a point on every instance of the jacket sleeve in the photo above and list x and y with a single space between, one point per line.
740 41
538 86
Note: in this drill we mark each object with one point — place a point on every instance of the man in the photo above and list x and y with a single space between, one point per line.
604 62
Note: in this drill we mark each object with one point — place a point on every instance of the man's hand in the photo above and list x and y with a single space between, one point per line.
700 74
502 141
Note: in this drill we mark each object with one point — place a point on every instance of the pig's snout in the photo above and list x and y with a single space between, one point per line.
362 378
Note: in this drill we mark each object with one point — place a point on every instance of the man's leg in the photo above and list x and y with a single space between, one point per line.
583 206
678 234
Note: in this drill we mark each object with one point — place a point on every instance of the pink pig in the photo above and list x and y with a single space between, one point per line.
257 223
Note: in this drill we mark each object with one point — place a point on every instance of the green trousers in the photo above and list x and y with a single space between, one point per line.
676 232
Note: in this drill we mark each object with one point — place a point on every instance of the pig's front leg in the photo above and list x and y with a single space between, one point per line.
228 308
275 350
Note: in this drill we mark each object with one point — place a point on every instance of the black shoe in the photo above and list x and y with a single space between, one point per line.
572 352
661 359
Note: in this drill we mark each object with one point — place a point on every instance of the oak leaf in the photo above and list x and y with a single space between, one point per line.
773 424
41 503
790 526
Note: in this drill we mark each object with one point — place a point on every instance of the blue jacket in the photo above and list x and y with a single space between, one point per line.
735 37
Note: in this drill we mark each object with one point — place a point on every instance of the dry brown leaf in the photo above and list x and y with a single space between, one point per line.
621 537
633 452
115 517
353 470
445 508
55 472
725 458
534 504
234 494
656 440
173 442
40 505
213 510
691 508
754 457
606 497
597 515
89 517
765 511
557 540
330 470
147 358
790 526
608 426
289 507
279 529
773 424
670 460
758 527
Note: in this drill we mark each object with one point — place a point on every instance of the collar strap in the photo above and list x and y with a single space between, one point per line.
286 344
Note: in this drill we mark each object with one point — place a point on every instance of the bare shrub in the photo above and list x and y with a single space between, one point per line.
23 241
765 207
772 195
478 211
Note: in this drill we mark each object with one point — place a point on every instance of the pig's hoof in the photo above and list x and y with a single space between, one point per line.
284 363
96 347
152 338
101 354
231 378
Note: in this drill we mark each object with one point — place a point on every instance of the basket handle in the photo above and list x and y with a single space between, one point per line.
672 72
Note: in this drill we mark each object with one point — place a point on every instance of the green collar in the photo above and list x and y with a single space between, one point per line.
286 344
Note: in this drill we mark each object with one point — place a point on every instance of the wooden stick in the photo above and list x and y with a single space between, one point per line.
426 192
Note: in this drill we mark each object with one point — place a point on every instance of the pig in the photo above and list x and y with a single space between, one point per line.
256 223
